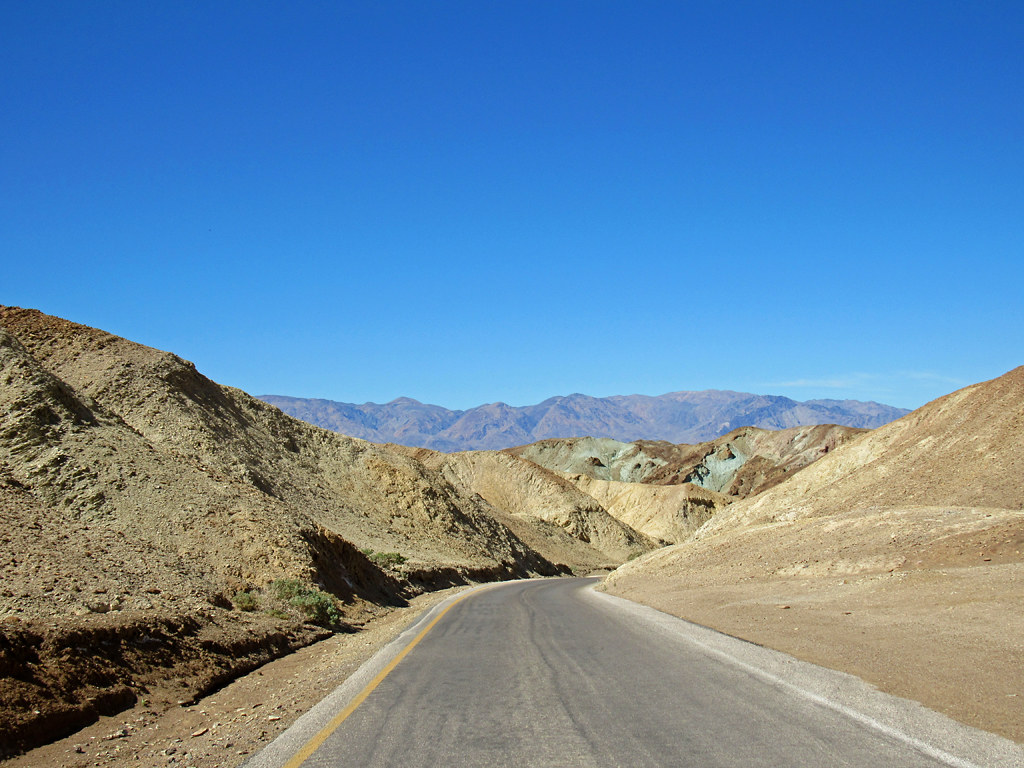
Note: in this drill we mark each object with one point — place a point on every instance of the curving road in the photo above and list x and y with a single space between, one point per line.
551 673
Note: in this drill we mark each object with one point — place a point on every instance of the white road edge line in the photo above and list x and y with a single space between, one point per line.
659 618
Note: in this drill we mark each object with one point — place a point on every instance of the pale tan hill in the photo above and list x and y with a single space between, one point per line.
741 463
962 450
140 499
372 496
543 508
897 557
666 513
602 457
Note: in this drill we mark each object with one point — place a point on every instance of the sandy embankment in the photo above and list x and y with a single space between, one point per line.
939 621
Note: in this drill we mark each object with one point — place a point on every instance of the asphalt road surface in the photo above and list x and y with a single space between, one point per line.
551 673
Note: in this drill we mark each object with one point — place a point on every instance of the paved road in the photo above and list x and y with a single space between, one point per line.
551 673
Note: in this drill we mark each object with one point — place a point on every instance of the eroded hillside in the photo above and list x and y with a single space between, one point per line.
742 463
526 491
666 513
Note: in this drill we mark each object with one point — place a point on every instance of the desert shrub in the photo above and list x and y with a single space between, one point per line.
245 601
316 606
387 559
286 589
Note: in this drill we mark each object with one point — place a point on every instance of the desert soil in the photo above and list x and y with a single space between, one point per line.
950 636
225 728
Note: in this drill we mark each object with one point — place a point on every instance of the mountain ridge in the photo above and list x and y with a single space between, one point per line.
677 417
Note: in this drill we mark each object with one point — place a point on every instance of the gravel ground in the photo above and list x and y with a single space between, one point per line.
224 729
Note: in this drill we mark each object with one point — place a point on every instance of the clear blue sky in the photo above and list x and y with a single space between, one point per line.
465 202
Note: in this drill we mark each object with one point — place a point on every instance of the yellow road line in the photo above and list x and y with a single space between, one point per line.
314 744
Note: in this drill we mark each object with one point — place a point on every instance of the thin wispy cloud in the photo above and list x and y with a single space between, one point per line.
879 381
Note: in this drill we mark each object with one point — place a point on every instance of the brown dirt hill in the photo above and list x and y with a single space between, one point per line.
140 500
527 491
666 513
898 557
962 450
668 491
741 463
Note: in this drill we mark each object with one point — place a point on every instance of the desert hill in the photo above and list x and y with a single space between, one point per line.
244 457
139 500
741 463
897 555
668 491
962 450
525 490
666 513
677 417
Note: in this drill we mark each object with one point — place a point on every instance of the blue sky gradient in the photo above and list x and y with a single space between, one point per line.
465 202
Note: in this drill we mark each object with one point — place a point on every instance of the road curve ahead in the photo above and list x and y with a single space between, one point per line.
552 673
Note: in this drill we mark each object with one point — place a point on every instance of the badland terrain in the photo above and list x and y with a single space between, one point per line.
161 535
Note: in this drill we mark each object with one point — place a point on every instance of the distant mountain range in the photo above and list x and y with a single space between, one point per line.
678 417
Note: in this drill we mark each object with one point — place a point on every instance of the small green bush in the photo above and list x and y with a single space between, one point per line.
387 559
316 606
245 601
286 589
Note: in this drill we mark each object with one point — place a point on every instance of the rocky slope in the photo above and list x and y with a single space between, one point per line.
668 491
902 549
666 513
525 490
193 531
678 417
961 450
741 463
